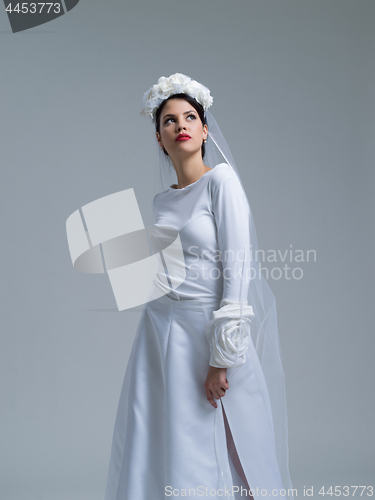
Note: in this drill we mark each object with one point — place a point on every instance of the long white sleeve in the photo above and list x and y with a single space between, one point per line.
226 333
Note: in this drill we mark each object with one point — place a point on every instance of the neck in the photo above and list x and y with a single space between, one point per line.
189 169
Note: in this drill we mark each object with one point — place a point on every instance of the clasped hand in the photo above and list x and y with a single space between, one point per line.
216 384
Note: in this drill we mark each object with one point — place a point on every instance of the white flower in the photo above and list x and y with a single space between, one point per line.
174 84
177 78
187 88
164 86
228 336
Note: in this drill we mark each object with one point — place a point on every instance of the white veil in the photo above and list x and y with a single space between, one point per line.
264 329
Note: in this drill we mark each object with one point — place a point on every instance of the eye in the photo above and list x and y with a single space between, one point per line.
193 116
167 120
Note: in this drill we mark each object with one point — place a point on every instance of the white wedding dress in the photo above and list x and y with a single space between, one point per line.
168 439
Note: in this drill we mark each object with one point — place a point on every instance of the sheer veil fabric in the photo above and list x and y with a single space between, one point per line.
255 292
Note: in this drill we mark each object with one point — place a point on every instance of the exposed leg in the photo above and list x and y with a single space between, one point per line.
233 453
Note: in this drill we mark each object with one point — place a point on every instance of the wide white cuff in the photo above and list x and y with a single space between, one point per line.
228 336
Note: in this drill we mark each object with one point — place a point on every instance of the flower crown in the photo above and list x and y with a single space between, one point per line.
174 84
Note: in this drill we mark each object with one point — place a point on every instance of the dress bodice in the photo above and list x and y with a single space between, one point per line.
211 218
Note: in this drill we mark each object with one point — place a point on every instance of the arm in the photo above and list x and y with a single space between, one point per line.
228 332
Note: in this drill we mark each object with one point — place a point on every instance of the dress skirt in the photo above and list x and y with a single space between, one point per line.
168 439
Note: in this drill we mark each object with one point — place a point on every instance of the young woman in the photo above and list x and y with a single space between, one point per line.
202 409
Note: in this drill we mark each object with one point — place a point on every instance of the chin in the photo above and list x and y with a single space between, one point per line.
188 148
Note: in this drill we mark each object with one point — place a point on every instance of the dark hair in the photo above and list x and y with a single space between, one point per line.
196 105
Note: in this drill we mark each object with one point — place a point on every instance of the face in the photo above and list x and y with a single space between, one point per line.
179 117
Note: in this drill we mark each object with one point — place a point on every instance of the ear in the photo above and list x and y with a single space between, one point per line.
159 139
205 131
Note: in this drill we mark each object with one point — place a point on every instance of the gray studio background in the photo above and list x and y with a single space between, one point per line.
292 83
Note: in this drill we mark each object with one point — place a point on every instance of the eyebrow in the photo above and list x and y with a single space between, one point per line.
186 112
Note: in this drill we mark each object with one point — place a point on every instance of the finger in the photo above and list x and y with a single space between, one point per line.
224 384
220 391
216 394
210 398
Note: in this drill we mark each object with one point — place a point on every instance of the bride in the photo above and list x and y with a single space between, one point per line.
202 408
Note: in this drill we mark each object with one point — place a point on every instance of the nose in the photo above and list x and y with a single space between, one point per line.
180 127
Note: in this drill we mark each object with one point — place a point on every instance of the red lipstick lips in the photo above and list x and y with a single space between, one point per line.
183 137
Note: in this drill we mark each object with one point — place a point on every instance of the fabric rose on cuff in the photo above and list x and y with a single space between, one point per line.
228 345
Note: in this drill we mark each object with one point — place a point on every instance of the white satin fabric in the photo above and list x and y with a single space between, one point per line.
228 334
166 432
